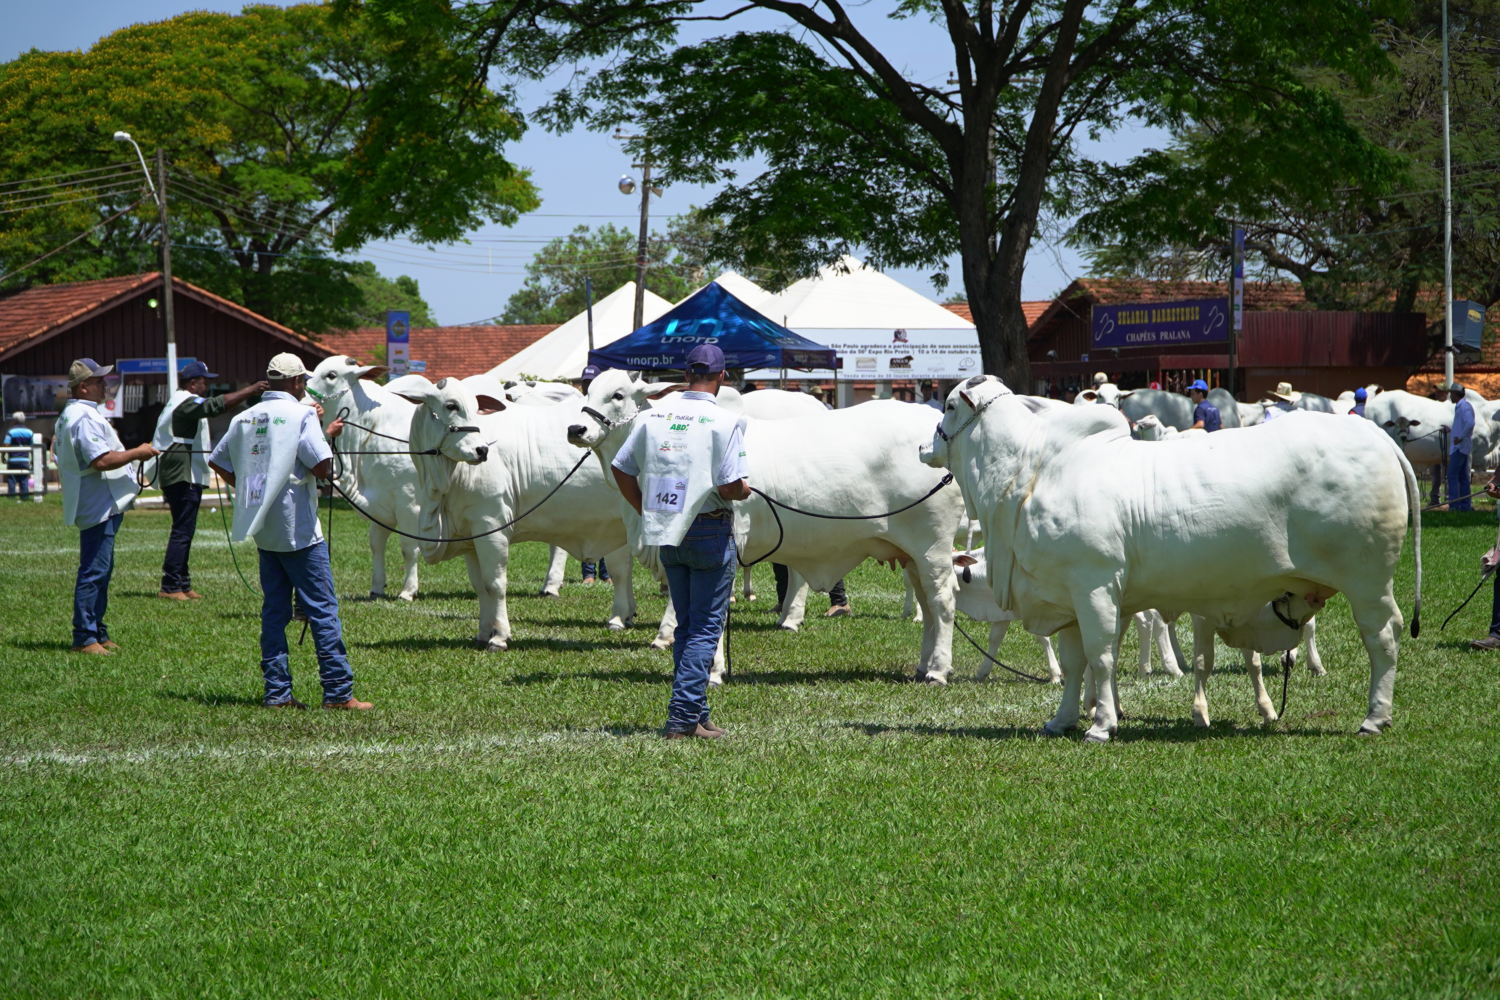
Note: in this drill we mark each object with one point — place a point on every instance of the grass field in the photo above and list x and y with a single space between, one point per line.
511 825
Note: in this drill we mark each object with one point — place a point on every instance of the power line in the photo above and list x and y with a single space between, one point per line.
58 249
126 167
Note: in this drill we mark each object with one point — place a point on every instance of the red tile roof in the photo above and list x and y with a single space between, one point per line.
36 314
450 351
1031 310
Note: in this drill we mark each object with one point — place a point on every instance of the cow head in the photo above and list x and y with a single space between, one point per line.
962 408
613 400
1149 428
334 378
445 421
1108 394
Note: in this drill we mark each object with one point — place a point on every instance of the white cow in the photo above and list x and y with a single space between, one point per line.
1084 526
492 467
975 599
535 393
777 404
862 460
382 484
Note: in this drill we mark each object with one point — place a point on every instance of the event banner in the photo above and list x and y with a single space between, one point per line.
1161 324
895 355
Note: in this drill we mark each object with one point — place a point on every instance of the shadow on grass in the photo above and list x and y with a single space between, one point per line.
212 699
465 643
1145 729
741 676
41 645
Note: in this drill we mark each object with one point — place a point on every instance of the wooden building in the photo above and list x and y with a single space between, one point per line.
43 329
1284 339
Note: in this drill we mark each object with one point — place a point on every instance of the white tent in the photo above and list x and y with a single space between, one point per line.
881 329
563 353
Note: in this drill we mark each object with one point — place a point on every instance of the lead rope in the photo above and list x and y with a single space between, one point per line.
772 503
1286 677
985 653
1482 577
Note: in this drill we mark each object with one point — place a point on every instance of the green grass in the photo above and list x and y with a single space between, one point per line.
511 825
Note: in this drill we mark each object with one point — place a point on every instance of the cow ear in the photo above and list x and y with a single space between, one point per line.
414 388
964 560
651 390
370 371
489 404
1127 392
963 394
633 376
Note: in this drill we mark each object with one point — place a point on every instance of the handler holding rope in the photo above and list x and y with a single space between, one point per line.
276 449
680 468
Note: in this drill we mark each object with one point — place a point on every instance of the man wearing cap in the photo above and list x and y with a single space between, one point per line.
1460 444
681 467
18 463
1360 396
1205 414
182 438
271 454
98 485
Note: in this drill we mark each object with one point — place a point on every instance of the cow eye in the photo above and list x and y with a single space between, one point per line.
451 407
1413 423
618 396
1390 423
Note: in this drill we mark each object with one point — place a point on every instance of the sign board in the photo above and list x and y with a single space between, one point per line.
896 355
148 366
398 341
1468 325
416 366
1160 324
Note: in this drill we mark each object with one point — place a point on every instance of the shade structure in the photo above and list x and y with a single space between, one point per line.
713 316
562 353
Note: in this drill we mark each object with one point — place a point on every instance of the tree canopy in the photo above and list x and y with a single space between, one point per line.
278 159
1372 239
858 151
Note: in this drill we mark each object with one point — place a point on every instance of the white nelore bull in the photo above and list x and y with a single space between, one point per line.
1084 526
493 467
383 484
778 404
862 460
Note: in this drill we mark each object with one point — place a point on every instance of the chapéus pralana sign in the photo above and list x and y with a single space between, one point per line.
1160 324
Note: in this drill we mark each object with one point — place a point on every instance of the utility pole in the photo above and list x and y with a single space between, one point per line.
640 250
166 270
1447 219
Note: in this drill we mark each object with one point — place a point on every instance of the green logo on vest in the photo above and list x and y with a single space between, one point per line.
677 427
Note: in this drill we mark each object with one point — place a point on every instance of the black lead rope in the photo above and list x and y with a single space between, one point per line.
1482 577
772 503
985 653
1286 677
1451 500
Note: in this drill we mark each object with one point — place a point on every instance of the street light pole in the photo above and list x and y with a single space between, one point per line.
1447 219
640 250
159 194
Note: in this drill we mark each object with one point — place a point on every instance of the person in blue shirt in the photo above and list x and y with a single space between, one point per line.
1205 414
1459 447
17 463
1361 396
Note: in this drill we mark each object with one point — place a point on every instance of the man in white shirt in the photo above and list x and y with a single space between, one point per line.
98 486
271 454
680 468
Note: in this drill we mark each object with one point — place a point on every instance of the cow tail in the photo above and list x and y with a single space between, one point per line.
1414 506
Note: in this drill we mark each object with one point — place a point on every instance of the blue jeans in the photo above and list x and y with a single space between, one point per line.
183 500
21 482
700 575
1458 481
96 562
588 569
307 571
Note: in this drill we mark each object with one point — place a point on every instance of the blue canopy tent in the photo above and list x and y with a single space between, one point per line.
713 316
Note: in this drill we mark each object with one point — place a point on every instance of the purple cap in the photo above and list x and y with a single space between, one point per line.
589 371
706 358
196 369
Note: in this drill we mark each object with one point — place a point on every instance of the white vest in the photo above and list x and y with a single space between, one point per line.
73 471
263 448
681 451
198 443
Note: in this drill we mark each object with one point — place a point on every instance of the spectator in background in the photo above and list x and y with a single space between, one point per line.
1205 414
1280 400
1360 396
1459 447
18 464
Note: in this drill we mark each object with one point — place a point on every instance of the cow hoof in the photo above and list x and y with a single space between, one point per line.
408 597
733 599
660 643
1096 735
715 681
1201 721
749 597
1372 728
1048 729
549 593
1316 670
790 628
490 645
377 595
935 680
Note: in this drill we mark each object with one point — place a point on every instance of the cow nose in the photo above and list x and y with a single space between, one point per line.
575 431
483 451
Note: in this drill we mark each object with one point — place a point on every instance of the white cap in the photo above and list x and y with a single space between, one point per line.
286 365
18 417
1100 378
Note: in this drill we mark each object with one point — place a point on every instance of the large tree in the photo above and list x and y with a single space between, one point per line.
859 151
1373 241
266 120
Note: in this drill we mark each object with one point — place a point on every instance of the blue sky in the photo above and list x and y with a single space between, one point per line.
576 173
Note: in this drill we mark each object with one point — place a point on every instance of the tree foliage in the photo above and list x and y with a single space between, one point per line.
554 291
278 160
1368 238
860 152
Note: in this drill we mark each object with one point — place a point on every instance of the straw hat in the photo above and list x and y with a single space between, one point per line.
1283 392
